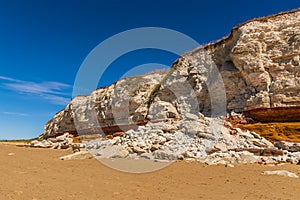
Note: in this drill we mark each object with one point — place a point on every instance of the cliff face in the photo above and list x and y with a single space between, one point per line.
259 63
106 107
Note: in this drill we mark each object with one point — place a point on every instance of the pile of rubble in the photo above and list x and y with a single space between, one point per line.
216 145
64 141
208 140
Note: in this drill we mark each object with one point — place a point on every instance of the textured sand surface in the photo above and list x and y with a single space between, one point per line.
39 174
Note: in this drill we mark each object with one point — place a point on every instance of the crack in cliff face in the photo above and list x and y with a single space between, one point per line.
221 53
153 93
269 85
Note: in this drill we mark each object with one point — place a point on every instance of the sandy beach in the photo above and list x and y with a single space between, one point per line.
39 174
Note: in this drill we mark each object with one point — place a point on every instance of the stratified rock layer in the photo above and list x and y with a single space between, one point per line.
108 109
259 63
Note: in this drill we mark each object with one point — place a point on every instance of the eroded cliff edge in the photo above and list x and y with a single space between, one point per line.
260 67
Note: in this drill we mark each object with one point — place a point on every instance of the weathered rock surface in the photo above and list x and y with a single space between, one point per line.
289 146
275 131
259 65
281 173
216 146
64 141
109 109
179 114
81 155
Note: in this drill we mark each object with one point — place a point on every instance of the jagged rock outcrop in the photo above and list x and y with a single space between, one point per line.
259 63
215 146
64 141
108 109
212 143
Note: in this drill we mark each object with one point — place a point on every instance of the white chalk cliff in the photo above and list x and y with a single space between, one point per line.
259 63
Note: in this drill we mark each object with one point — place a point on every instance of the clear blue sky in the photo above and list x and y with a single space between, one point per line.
43 44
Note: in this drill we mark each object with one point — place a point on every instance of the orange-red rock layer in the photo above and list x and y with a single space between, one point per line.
289 131
279 114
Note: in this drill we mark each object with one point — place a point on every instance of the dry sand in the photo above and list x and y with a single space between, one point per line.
39 174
